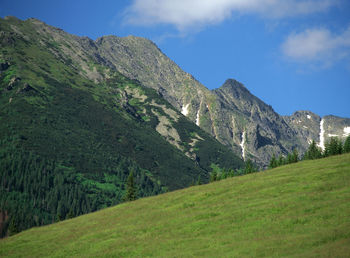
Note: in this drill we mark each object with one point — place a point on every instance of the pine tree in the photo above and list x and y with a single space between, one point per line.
295 156
231 172
340 147
281 161
333 147
12 229
223 174
346 147
289 158
213 176
313 151
273 162
130 194
199 180
249 167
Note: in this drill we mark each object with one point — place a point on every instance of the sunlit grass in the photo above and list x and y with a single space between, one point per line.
299 210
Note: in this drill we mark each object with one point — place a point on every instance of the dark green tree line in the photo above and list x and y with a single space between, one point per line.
291 158
218 173
332 147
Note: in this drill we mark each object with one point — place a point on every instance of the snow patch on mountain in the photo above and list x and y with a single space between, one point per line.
332 135
321 144
184 110
197 118
308 117
243 145
346 131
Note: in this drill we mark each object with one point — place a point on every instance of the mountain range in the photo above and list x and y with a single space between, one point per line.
231 114
83 114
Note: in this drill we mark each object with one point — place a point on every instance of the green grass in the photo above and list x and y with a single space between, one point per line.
298 210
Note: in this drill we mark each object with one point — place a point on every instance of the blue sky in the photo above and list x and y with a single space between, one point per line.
292 54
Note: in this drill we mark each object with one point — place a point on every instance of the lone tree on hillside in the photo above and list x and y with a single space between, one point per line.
130 194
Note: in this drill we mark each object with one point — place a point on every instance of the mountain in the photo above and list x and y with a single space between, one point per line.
72 128
263 132
298 210
231 114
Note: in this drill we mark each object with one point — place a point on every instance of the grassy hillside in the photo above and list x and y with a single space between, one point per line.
299 210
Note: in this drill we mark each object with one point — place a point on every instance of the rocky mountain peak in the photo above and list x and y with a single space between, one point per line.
306 114
232 83
128 41
235 88
234 92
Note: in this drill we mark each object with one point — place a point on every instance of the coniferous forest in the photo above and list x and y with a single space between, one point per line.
37 191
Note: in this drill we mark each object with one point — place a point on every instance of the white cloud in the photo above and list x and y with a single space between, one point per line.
317 45
185 14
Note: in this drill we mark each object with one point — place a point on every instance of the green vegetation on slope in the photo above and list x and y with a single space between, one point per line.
299 210
68 142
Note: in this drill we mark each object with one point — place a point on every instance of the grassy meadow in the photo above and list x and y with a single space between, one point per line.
298 210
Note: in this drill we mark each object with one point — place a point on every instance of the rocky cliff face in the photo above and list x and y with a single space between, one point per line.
227 113
230 113
265 131
310 126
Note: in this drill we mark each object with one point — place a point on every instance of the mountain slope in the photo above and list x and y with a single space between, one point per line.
227 113
230 113
71 130
265 131
296 210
